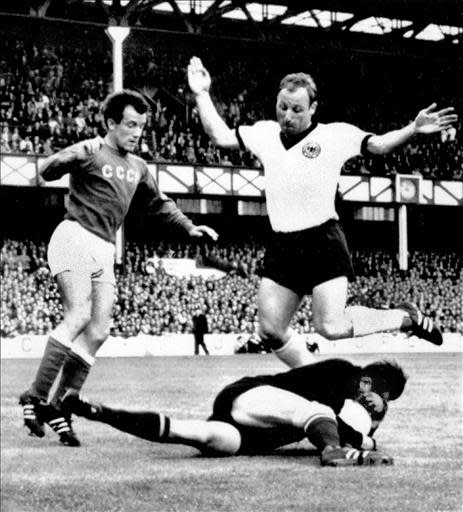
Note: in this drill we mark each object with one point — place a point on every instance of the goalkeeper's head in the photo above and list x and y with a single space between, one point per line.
387 378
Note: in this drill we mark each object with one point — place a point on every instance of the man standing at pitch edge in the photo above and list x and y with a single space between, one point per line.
308 253
104 176
200 328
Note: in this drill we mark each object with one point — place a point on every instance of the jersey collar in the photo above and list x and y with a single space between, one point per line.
289 141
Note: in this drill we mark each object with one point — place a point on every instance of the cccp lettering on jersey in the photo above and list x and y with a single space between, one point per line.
120 172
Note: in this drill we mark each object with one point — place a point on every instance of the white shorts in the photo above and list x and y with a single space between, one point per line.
72 248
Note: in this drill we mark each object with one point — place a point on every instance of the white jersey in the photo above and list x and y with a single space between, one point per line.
301 182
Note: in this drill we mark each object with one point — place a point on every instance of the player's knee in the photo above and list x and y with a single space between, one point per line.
77 318
269 333
220 440
98 334
241 413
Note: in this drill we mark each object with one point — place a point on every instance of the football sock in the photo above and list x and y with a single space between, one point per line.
368 321
322 432
50 365
151 426
294 352
75 371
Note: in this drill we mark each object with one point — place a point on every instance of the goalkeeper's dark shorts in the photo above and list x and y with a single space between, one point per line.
254 440
301 260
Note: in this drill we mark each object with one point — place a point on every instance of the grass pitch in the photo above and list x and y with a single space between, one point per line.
112 471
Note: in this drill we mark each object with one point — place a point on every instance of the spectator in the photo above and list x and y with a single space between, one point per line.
61 86
159 303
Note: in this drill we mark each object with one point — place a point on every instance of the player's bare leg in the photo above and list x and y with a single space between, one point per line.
334 321
210 437
277 306
268 407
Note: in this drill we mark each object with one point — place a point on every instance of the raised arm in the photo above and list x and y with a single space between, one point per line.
427 121
200 83
59 164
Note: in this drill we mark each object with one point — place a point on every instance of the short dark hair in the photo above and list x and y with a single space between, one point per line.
114 105
386 376
295 80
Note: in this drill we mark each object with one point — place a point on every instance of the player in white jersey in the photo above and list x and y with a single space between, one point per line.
308 253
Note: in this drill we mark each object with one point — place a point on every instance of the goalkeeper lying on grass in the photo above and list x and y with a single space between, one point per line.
336 405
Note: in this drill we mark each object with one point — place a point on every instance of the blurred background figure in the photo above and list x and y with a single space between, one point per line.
200 328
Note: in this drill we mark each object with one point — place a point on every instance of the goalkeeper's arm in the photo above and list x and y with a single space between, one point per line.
352 437
358 440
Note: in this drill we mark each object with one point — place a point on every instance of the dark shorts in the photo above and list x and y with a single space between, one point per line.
253 440
301 260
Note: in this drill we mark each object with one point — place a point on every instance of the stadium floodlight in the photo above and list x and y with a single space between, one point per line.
117 34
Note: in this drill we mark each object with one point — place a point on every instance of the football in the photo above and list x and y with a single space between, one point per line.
356 416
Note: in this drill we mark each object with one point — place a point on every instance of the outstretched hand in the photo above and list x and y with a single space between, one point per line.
199 231
429 120
199 79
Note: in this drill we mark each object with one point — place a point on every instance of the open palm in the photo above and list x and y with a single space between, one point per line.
199 79
429 120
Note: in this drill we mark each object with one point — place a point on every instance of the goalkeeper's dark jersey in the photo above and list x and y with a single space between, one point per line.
328 382
102 187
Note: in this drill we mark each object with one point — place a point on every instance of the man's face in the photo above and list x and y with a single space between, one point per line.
294 111
373 401
126 134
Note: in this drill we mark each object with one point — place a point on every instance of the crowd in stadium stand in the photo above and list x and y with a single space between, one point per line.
157 303
51 95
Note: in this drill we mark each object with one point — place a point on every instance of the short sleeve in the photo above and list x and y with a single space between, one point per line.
351 139
256 137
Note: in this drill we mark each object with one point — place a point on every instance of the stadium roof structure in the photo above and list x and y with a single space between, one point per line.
398 20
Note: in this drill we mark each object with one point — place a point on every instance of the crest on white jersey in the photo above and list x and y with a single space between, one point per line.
311 149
